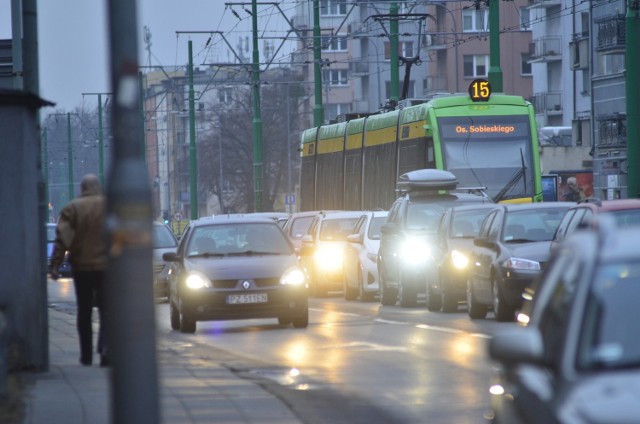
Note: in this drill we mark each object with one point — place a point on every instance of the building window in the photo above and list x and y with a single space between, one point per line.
525 66
475 65
475 20
525 19
335 77
332 110
405 49
610 64
336 44
224 95
333 7
613 131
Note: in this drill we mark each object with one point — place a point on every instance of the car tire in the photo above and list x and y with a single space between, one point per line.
284 320
302 320
349 293
433 301
388 296
364 296
501 310
174 314
187 325
476 310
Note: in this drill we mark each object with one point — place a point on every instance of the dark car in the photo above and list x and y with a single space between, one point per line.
626 212
511 250
408 235
235 268
164 241
447 279
576 359
65 267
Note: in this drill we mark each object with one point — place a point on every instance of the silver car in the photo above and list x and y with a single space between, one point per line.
163 241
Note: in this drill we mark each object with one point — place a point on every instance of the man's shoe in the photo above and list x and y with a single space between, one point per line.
105 361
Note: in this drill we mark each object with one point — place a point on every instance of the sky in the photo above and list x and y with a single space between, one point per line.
73 40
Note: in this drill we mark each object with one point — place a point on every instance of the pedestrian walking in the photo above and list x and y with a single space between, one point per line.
80 231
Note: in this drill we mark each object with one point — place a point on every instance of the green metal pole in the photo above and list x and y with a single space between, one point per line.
100 141
632 65
495 72
257 119
142 117
193 168
318 110
70 155
45 168
393 53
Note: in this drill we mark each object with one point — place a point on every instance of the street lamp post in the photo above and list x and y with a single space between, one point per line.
100 136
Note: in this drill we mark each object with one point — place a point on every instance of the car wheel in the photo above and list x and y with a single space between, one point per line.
502 311
365 296
284 320
476 310
448 300
349 293
388 296
433 301
175 315
187 325
408 294
302 320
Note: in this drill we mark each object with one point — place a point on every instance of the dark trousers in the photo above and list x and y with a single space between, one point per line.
89 286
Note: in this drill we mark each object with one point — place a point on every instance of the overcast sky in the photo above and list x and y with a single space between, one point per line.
73 36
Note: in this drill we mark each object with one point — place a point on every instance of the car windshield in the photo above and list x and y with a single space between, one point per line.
426 216
238 239
299 226
374 228
466 224
162 237
532 225
337 229
611 319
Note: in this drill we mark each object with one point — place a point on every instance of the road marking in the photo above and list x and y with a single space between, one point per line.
366 346
386 321
442 329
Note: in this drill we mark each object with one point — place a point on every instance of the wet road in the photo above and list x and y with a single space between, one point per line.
356 362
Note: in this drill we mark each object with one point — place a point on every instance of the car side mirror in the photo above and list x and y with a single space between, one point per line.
307 239
521 345
388 228
484 242
355 238
170 257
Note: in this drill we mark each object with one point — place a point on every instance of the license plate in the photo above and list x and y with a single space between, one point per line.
234 299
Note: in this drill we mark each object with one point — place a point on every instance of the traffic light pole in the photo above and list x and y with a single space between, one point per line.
632 64
495 71
257 115
193 166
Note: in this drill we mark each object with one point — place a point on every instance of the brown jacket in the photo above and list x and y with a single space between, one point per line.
80 230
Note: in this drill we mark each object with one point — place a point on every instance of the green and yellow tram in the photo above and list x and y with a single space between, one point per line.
487 140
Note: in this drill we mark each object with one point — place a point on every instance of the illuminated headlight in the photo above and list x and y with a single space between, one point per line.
292 277
328 258
415 251
195 280
521 264
459 259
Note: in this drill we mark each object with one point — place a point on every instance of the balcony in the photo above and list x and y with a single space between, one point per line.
579 52
435 42
359 68
611 35
548 103
543 3
436 84
545 49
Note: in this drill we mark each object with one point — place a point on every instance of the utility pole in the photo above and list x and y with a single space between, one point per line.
393 53
193 166
131 328
318 110
70 156
495 72
257 116
632 64
45 167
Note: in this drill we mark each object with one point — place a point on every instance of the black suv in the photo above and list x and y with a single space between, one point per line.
408 236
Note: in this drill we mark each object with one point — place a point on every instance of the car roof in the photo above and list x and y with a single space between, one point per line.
473 207
432 198
344 214
598 205
227 219
537 205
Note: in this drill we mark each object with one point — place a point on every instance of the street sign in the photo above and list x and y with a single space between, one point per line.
290 199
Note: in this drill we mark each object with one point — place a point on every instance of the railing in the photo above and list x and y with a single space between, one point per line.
547 102
611 33
545 47
436 83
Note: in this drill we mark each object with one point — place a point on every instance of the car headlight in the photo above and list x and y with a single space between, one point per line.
328 258
521 264
196 280
459 259
415 251
293 277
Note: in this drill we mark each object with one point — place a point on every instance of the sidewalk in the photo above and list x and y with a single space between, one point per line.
190 391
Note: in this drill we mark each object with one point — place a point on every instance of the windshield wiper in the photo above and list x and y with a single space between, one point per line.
513 181
207 255
253 252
